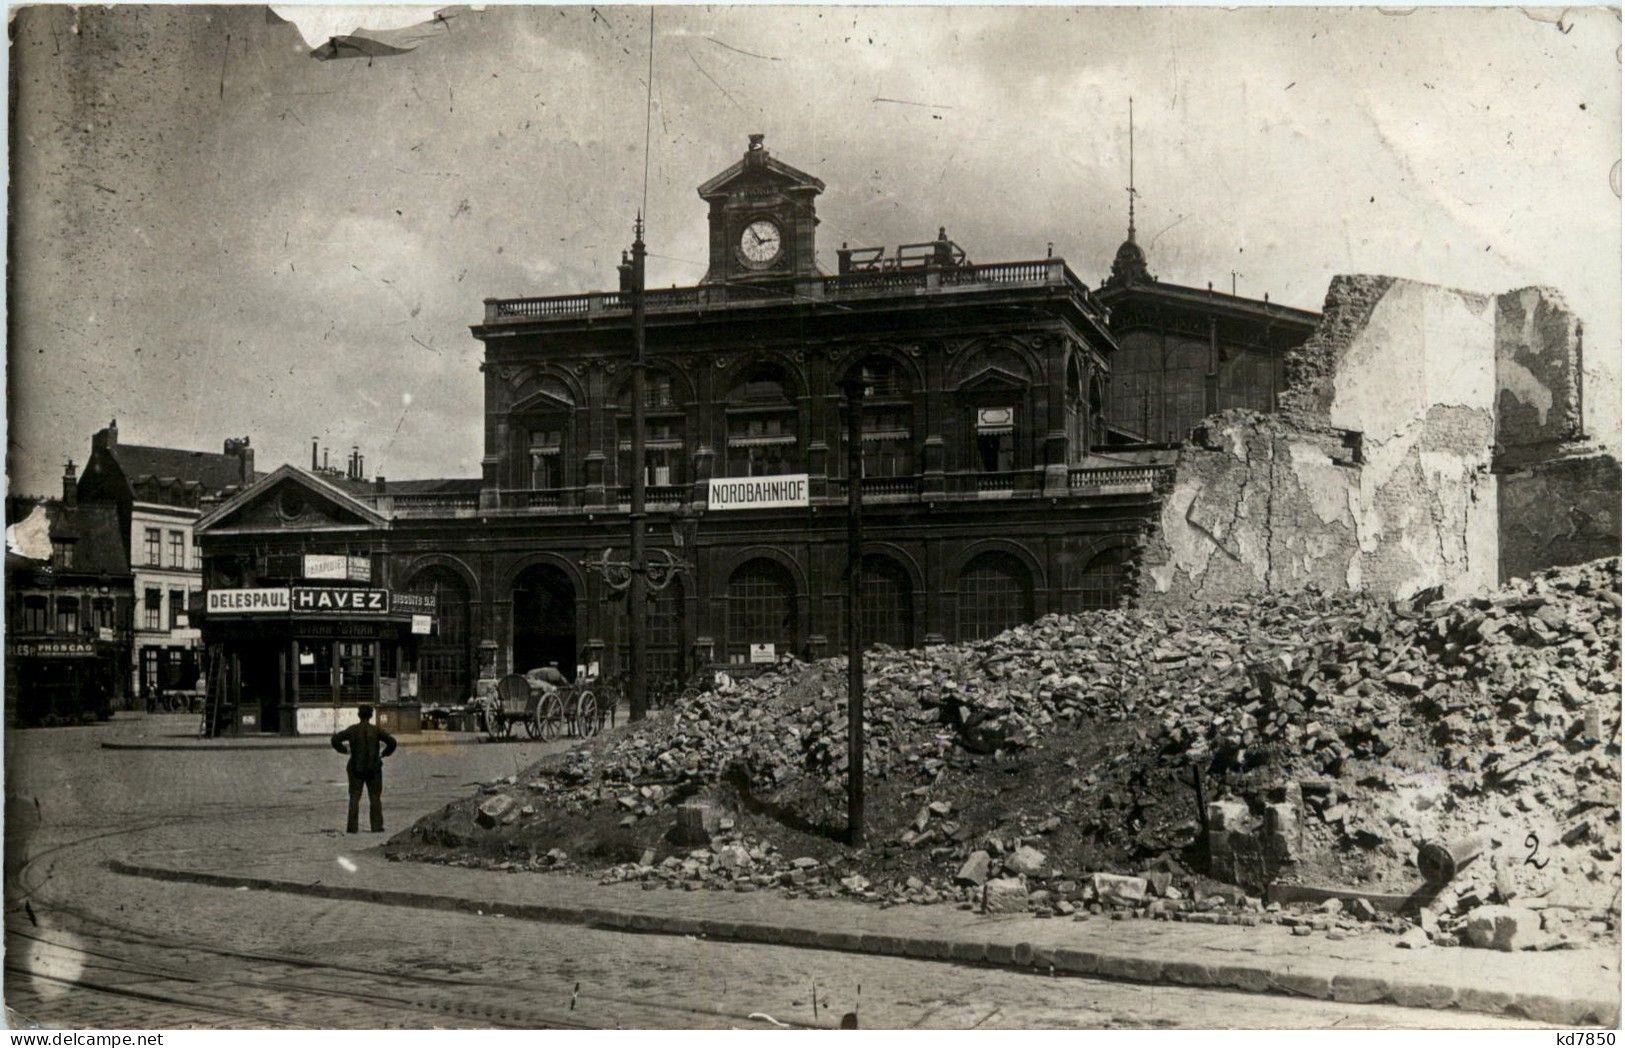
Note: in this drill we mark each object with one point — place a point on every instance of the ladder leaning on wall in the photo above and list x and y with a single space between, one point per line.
215 693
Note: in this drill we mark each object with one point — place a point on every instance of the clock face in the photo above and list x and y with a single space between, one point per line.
761 242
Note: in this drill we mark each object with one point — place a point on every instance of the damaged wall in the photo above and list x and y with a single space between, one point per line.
1565 511
1539 381
1380 472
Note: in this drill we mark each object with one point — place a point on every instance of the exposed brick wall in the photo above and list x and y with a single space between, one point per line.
1564 511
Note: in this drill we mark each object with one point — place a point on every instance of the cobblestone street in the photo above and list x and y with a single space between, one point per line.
103 950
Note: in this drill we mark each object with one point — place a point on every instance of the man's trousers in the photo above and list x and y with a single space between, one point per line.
374 783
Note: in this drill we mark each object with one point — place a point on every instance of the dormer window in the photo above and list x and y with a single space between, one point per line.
62 555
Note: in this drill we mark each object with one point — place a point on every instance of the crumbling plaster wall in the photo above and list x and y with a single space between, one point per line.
1279 502
1538 356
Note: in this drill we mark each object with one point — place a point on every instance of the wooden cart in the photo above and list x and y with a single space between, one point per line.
547 710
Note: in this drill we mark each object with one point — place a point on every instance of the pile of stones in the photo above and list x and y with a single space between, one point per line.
1379 725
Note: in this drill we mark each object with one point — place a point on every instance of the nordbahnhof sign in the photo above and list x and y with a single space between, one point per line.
782 492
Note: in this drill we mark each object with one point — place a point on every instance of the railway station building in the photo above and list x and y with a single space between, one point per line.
999 481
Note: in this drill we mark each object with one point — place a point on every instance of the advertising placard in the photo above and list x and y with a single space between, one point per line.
338 598
326 566
761 653
418 603
247 602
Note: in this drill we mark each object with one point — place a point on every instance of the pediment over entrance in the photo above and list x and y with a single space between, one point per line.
291 499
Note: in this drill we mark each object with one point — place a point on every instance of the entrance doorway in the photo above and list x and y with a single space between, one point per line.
544 620
260 670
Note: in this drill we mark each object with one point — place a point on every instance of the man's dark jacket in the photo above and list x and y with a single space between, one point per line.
364 738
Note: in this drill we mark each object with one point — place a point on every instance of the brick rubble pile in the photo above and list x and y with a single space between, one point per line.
1494 719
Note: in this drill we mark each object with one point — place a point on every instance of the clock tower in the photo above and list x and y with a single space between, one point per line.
762 220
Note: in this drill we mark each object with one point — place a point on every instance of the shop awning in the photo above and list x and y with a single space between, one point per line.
778 439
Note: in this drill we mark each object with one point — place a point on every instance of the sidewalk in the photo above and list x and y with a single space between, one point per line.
178 741
1565 988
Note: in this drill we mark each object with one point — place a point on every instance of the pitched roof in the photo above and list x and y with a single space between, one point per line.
214 470
1209 301
98 541
323 486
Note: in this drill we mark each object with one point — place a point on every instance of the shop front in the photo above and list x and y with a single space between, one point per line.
299 660
62 681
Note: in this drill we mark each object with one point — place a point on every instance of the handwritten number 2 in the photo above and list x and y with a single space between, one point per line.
1532 842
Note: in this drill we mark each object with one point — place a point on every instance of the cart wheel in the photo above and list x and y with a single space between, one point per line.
533 727
587 723
549 718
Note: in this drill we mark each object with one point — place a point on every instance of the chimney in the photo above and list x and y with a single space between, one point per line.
107 438
70 485
240 449
625 270
360 466
324 458
313 463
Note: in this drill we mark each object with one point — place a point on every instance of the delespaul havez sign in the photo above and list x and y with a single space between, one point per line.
308 599
780 492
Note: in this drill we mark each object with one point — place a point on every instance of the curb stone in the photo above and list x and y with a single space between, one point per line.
1081 962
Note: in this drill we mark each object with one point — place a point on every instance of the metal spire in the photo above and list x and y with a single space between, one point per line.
1131 193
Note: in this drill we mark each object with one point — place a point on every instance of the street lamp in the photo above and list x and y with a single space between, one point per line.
853 387
636 573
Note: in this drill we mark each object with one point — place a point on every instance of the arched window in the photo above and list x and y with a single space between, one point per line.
663 637
887 429
1077 435
885 605
763 434
445 663
1101 584
995 593
1097 411
761 609
665 456
541 424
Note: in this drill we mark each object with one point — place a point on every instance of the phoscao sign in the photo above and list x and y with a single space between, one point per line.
338 598
781 492
54 649
247 602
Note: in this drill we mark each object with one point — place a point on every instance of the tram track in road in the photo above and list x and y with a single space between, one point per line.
102 944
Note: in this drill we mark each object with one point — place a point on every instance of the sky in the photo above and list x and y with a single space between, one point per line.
217 234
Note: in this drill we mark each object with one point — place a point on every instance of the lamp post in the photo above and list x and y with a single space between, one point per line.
853 388
638 684
636 575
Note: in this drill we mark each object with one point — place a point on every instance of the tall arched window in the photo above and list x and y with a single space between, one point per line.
541 424
761 609
763 434
663 636
887 429
995 593
665 456
1101 584
885 605
445 664
1077 422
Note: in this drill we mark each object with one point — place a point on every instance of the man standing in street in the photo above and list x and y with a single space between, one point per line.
361 741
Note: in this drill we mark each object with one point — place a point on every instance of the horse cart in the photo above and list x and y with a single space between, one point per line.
548 705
